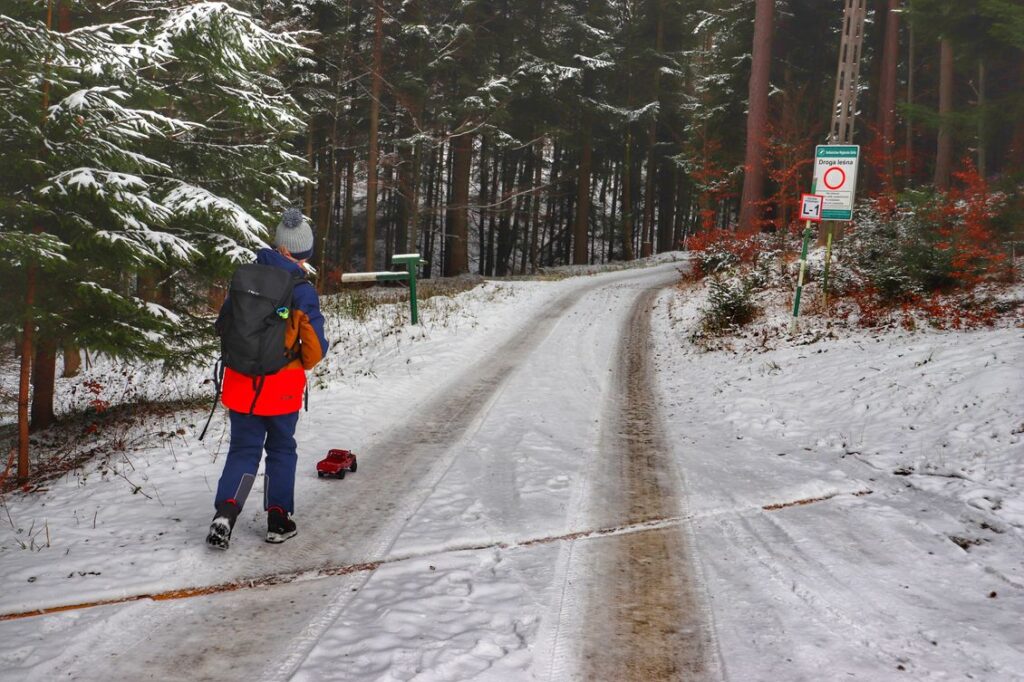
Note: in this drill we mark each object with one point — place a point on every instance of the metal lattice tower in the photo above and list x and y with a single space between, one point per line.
844 108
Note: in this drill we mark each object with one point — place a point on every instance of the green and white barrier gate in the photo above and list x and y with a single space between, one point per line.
411 261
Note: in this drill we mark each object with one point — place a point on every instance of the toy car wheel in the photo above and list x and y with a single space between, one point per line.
353 467
319 474
341 473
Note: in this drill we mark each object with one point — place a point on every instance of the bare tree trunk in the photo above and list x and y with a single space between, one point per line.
535 220
647 247
627 201
887 95
371 161
72 360
431 212
944 146
666 204
414 207
324 194
346 216
44 372
482 226
982 150
614 221
25 373
524 210
909 150
492 217
458 210
1015 154
311 159
579 253
387 201
757 119
517 220
504 250
597 252
28 324
404 212
647 227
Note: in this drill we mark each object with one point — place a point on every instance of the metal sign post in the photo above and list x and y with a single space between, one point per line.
810 211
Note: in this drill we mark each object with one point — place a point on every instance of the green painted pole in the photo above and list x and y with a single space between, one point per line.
828 262
412 267
411 261
800 281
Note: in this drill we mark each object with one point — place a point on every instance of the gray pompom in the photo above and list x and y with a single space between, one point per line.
292 218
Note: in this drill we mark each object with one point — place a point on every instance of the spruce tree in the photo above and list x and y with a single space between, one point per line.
146 141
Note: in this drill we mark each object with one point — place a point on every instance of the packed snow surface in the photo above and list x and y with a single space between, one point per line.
853 503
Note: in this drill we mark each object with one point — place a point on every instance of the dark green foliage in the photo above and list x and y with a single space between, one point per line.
154 166
730 305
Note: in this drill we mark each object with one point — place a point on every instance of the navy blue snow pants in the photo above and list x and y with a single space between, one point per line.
250 435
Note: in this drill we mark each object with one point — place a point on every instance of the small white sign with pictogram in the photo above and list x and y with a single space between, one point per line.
810 207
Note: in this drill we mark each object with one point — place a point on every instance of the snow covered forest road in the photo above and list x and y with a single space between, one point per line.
556 484
550 435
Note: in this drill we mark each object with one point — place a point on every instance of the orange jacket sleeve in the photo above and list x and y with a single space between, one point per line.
300 330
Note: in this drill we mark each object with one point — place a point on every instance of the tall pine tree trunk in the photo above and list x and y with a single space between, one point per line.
666 204
982 134
458 211
31 274
508 179
430 213
404 212
579 252
647 247
25 372
627 200
613 217
346 217
944 145
909 143
324 194
887 94
482 225
757 119
72 360
524 211
414 207
371 161
535 219
44 372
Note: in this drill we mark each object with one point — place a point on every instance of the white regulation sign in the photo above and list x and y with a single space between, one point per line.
810 207
835 179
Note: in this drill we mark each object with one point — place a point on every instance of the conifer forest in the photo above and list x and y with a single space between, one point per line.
149 146
670 340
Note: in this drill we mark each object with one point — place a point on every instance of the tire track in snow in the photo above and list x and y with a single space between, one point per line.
435 439
361 520
643 614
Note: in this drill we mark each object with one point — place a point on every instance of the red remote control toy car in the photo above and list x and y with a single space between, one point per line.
336 463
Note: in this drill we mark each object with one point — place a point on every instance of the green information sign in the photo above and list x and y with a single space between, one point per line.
835 179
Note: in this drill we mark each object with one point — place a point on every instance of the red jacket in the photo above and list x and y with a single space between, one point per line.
281 392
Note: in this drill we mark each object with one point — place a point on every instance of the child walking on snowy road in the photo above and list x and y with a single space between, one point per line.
264 397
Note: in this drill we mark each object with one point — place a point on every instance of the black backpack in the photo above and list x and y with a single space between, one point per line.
252 327
253 324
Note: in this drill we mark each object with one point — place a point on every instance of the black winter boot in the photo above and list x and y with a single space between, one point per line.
223 523
279 526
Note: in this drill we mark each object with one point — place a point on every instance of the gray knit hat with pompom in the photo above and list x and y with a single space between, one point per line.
295 234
